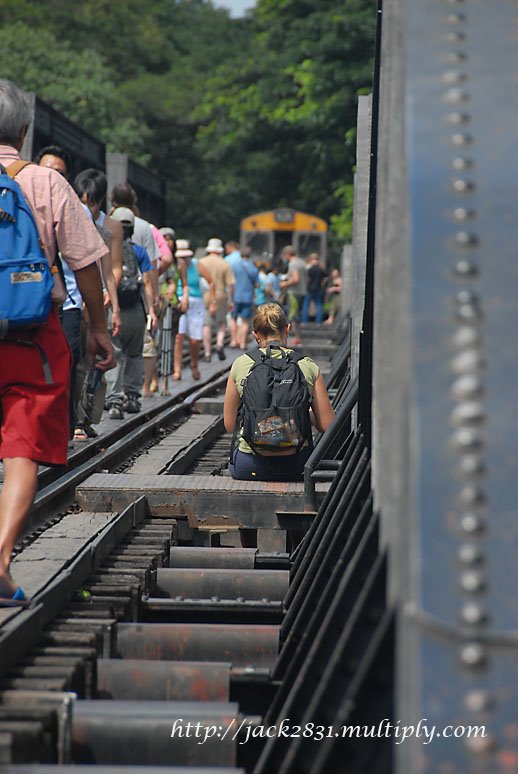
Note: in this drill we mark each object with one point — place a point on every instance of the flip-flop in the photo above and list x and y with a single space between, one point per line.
18 599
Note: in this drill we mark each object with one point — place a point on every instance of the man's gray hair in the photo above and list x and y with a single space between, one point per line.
15 112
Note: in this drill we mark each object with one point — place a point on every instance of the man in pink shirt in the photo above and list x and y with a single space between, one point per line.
33 412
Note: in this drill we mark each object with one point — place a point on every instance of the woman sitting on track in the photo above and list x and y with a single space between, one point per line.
270 324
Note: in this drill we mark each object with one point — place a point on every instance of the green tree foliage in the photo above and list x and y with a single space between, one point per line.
239 115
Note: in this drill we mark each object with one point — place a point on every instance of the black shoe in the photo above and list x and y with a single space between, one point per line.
131 405
221 353
115 412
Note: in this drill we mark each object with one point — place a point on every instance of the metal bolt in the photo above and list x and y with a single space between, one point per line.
473 524
468 362
463 214
472 496
472 581
467 336
470 554
456 56
467 439
471 467
467 297
469 313
466 239
463 186
462 139
455 18
462 162
473 655
456 119
454 76
468 413
478 701
473 614
464 268
455 95
455 37
467 386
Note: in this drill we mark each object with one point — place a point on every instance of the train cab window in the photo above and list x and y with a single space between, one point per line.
309 243
259 243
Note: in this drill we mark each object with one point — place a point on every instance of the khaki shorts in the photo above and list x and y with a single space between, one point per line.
150 348
218 318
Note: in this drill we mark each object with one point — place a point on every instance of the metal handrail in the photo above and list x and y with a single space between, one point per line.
349 401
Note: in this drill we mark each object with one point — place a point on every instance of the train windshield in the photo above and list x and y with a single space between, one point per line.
309 243
258 242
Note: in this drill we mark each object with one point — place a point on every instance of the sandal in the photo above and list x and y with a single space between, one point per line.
195 372
176 376
80 434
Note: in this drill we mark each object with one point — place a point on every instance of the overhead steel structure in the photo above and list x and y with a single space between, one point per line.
444 356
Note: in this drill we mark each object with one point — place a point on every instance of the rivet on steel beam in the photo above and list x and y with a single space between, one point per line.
455 36
466 239
472 581
472 497
467 336
462 162
480 745
473 614
467 386
454 76
471 467
463 186
453 96
465 268
457 119
466 297
468 413
456 56
467 439
455 18
463 214
470 313
478 701
468 362
462 138
470 554
473 523
473 655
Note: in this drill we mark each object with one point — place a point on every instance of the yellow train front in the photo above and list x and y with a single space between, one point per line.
267 233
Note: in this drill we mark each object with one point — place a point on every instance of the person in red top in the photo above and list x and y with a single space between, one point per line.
33 413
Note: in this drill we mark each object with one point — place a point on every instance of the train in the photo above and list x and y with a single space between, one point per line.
267 233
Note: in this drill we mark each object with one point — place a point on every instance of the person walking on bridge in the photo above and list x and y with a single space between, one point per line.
35 362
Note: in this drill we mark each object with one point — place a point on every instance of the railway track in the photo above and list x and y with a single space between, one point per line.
148 615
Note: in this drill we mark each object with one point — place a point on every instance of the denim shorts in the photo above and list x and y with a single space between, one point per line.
242 310
254 467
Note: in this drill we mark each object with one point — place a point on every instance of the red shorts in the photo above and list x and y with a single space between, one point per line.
34 414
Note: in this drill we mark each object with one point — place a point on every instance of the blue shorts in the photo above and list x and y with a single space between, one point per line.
242 310
253 467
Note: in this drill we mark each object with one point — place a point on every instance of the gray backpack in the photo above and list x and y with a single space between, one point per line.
129 290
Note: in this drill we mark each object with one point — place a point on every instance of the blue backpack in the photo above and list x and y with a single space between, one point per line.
25 276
